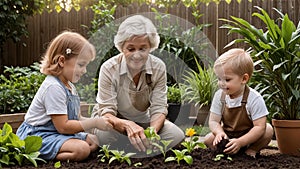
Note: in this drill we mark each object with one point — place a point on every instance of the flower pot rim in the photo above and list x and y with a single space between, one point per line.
285 123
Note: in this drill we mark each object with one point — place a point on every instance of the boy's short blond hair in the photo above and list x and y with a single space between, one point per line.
238 60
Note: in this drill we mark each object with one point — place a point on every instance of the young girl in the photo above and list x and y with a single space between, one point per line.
53 113
241 109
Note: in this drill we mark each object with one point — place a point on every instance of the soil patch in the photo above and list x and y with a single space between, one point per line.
203 158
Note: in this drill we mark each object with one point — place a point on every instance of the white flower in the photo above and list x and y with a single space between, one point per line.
68 51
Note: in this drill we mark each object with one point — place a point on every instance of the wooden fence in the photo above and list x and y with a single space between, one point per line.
42 28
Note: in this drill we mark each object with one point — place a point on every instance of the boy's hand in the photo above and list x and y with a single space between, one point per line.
218 138
233 146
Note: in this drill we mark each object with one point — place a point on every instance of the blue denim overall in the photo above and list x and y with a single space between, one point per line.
52 140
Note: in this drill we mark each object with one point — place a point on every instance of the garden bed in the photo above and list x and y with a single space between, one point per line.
269 158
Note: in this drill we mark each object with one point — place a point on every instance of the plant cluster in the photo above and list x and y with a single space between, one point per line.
16 151
18 86
157 145
114 155
276 52
174 94
199 86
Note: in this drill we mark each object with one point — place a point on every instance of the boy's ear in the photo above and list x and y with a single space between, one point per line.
61 60
245 78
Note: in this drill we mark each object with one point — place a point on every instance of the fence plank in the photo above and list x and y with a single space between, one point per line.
42 28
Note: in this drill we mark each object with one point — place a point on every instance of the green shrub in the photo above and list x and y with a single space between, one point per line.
174 94
18 86
15 151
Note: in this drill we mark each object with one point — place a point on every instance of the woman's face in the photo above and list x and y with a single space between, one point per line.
136 51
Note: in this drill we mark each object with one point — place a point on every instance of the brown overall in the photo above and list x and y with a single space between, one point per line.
235 120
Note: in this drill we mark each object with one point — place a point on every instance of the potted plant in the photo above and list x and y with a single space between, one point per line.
174 102
276 52
199 88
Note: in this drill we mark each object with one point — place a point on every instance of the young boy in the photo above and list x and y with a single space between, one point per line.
238 112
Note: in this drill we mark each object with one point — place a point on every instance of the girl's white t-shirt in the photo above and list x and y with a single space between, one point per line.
256 107
50 99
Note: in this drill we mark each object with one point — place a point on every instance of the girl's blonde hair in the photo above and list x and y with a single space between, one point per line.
68 44
238 60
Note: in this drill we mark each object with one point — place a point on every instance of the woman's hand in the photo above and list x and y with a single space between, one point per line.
136 136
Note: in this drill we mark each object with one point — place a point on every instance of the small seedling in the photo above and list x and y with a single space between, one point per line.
220 156
120 156
104 153
180 155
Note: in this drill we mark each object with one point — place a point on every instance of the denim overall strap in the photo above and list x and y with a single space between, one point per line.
73 102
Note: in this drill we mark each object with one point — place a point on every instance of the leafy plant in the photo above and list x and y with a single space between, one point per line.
179 156
192 142
163 147
152 136
199 86
120 156
276 52
178 46
174 94
18 86
104 153
16 151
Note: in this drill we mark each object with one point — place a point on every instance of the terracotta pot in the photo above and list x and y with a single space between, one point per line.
287 136
15 120
202 115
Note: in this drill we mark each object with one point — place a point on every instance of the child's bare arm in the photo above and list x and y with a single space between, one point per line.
214 123
65 126
216 128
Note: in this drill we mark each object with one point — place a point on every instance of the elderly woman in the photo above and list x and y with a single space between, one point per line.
132 89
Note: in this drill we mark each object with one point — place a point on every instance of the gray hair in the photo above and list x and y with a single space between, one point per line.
134 26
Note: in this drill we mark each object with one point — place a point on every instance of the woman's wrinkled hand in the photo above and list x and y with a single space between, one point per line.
136 136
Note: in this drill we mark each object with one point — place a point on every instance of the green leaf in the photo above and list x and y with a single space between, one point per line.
112 159
32 144
15 141
5 159
57 164
288 28
188 159
275 67
170 159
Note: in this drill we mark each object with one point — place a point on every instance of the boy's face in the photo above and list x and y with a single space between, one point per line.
231 83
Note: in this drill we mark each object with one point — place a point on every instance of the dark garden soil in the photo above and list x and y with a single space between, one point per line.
269 158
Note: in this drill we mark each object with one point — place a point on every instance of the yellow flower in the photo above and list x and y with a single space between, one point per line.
190 132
